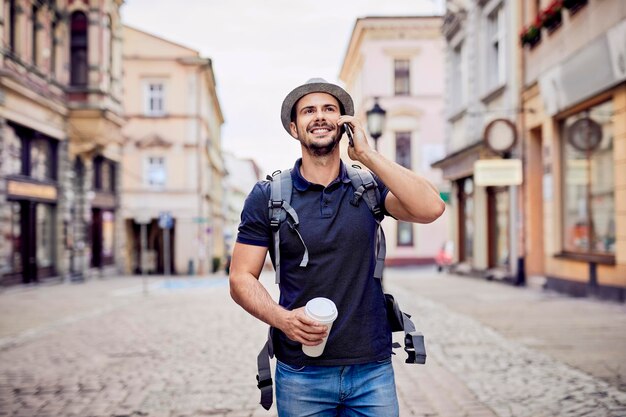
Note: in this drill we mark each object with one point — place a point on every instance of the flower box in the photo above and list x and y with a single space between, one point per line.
552 17
531 34
574 5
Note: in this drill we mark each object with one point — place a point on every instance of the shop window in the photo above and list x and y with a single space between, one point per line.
499 212
41 159
108 236
466 218
405 234
402 77
45 233
79 71
15 238
403 149
588 182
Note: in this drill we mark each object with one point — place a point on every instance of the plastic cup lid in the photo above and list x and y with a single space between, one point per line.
321 309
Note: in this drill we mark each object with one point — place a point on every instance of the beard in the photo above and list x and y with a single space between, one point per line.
318 148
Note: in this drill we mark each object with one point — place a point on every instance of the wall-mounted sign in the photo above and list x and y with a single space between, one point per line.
500 135
585 134
498 172
31 190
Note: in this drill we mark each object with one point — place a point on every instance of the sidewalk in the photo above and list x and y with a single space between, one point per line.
521 351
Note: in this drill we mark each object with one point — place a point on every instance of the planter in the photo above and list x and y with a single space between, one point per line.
531 35
552 17
552 22
574 5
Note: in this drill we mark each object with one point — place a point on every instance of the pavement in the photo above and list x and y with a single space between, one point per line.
132 346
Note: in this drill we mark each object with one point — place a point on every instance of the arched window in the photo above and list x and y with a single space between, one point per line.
80 66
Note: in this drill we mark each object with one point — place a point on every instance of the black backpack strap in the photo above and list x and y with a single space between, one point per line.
279 209
366 188
264 375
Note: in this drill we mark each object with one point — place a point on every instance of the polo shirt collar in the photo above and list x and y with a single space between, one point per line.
301 184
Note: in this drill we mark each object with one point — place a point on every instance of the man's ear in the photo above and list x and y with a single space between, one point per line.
293 129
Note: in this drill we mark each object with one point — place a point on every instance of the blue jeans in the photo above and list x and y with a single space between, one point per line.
367 390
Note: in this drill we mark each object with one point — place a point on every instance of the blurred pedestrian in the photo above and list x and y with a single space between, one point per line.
354 375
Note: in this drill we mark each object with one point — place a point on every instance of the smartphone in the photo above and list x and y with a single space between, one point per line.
348 130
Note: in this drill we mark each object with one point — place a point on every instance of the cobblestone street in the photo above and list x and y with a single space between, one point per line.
103 348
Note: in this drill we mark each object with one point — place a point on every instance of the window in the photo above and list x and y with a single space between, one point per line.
403 149
12 25
457 90
495 53
35 29
155 171
405 234
588 188
55 43
79 75
154 98
104 175
402 85
14 146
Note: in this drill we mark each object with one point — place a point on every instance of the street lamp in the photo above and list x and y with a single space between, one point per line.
376 121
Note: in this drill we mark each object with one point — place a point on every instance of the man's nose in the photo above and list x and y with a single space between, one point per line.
319 114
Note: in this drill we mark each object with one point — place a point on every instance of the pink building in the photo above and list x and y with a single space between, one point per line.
399 61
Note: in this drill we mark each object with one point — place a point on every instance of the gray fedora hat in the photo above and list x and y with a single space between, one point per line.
314 85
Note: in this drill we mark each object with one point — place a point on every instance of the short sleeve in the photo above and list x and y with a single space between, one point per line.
383 194
254 228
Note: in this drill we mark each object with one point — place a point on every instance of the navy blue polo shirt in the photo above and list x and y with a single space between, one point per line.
341 239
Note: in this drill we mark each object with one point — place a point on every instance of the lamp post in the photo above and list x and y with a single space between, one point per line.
376 121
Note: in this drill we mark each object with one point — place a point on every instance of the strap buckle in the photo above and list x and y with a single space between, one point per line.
264 383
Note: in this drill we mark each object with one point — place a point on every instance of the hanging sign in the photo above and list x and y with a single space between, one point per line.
497 172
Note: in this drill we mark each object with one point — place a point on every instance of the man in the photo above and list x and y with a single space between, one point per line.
354 375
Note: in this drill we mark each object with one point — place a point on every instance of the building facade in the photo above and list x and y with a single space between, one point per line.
574 86
482 95
60 139
397 62
242 175
173 168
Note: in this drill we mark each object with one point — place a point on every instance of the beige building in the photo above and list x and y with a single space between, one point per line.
173 166
398 62
574 86
482 94
60 137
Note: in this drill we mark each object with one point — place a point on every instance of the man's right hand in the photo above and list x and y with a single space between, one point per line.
300 328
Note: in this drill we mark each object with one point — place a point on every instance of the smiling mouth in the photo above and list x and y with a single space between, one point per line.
320 130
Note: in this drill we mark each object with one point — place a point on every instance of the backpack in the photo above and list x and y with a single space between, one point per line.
280 210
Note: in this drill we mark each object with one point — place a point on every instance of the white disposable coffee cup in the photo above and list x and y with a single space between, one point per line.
324 312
